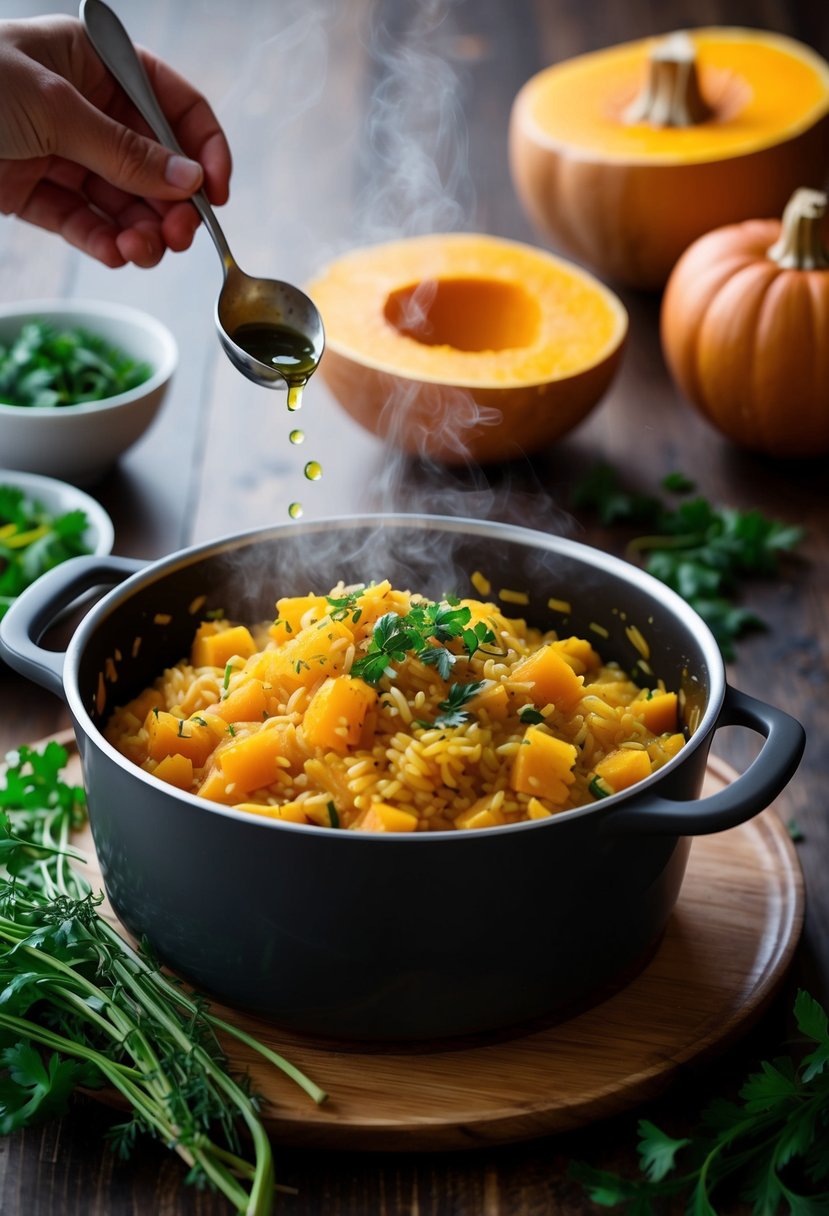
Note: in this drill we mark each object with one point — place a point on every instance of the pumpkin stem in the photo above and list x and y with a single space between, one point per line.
671 96
800 244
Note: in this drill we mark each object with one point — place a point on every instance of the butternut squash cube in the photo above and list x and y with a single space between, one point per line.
289 613
175 770
168 735
624 767
381 817
306 657
537 810
494 699
336 713
543 766
291 812
579 654
215 648
214 787
552 678
659 712
247 703
141 705
253 762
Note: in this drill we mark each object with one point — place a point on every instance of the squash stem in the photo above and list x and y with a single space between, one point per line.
800 245
671 96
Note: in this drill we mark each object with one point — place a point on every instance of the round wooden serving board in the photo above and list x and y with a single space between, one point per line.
724 952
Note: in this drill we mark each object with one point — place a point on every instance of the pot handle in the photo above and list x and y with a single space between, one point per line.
751 793
40 605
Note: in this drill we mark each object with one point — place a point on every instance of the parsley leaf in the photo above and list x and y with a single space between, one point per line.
452 711
703 552
423 632
771 1146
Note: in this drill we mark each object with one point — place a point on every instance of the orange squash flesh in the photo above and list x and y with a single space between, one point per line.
462 346
628 197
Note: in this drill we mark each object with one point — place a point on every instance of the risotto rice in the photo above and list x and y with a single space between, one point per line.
375 709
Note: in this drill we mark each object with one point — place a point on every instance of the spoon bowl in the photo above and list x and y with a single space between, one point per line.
270 330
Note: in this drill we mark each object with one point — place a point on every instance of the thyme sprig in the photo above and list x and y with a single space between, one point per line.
79 1006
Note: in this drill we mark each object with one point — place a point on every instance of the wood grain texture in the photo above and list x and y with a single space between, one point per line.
347 121
722 957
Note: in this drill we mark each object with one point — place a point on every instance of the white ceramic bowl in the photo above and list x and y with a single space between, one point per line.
57 497
79 443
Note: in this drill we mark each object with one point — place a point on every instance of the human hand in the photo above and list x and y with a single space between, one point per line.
77 159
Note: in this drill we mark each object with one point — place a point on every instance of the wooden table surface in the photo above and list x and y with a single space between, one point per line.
358 121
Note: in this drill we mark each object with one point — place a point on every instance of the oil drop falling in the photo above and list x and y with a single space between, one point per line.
295 510
297 437
313 470
295 396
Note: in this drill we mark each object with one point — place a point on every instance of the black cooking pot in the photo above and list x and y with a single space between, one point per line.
397 936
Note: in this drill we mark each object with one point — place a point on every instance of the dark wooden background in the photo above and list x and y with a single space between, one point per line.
353 121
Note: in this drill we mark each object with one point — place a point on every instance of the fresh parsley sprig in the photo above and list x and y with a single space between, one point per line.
452 711
770 1147
80 1007
422 631
705 553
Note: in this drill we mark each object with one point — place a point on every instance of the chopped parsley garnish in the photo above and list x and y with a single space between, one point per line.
599 789
47 367
333 817
423 632
342 605
452 711
529 715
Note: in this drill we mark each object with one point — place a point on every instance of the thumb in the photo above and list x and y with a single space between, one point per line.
125 159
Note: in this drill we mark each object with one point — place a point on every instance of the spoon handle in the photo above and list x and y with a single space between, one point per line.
115 48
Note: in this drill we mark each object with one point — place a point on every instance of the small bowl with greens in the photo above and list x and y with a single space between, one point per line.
44 522
80 382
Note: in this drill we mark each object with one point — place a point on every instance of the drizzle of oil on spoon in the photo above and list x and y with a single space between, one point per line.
284 348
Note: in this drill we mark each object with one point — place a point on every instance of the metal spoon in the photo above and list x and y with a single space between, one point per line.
264 304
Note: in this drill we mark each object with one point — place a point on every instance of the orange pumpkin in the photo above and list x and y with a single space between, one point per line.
745 329
626 155
461 346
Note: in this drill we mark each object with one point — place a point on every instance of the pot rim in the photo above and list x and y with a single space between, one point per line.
155 571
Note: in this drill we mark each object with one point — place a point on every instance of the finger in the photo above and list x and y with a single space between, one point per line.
120 155
116 203
179 225
59 210
141 244
196 127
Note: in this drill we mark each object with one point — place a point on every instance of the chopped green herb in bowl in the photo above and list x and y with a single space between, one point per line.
46 365
80 382
43 523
